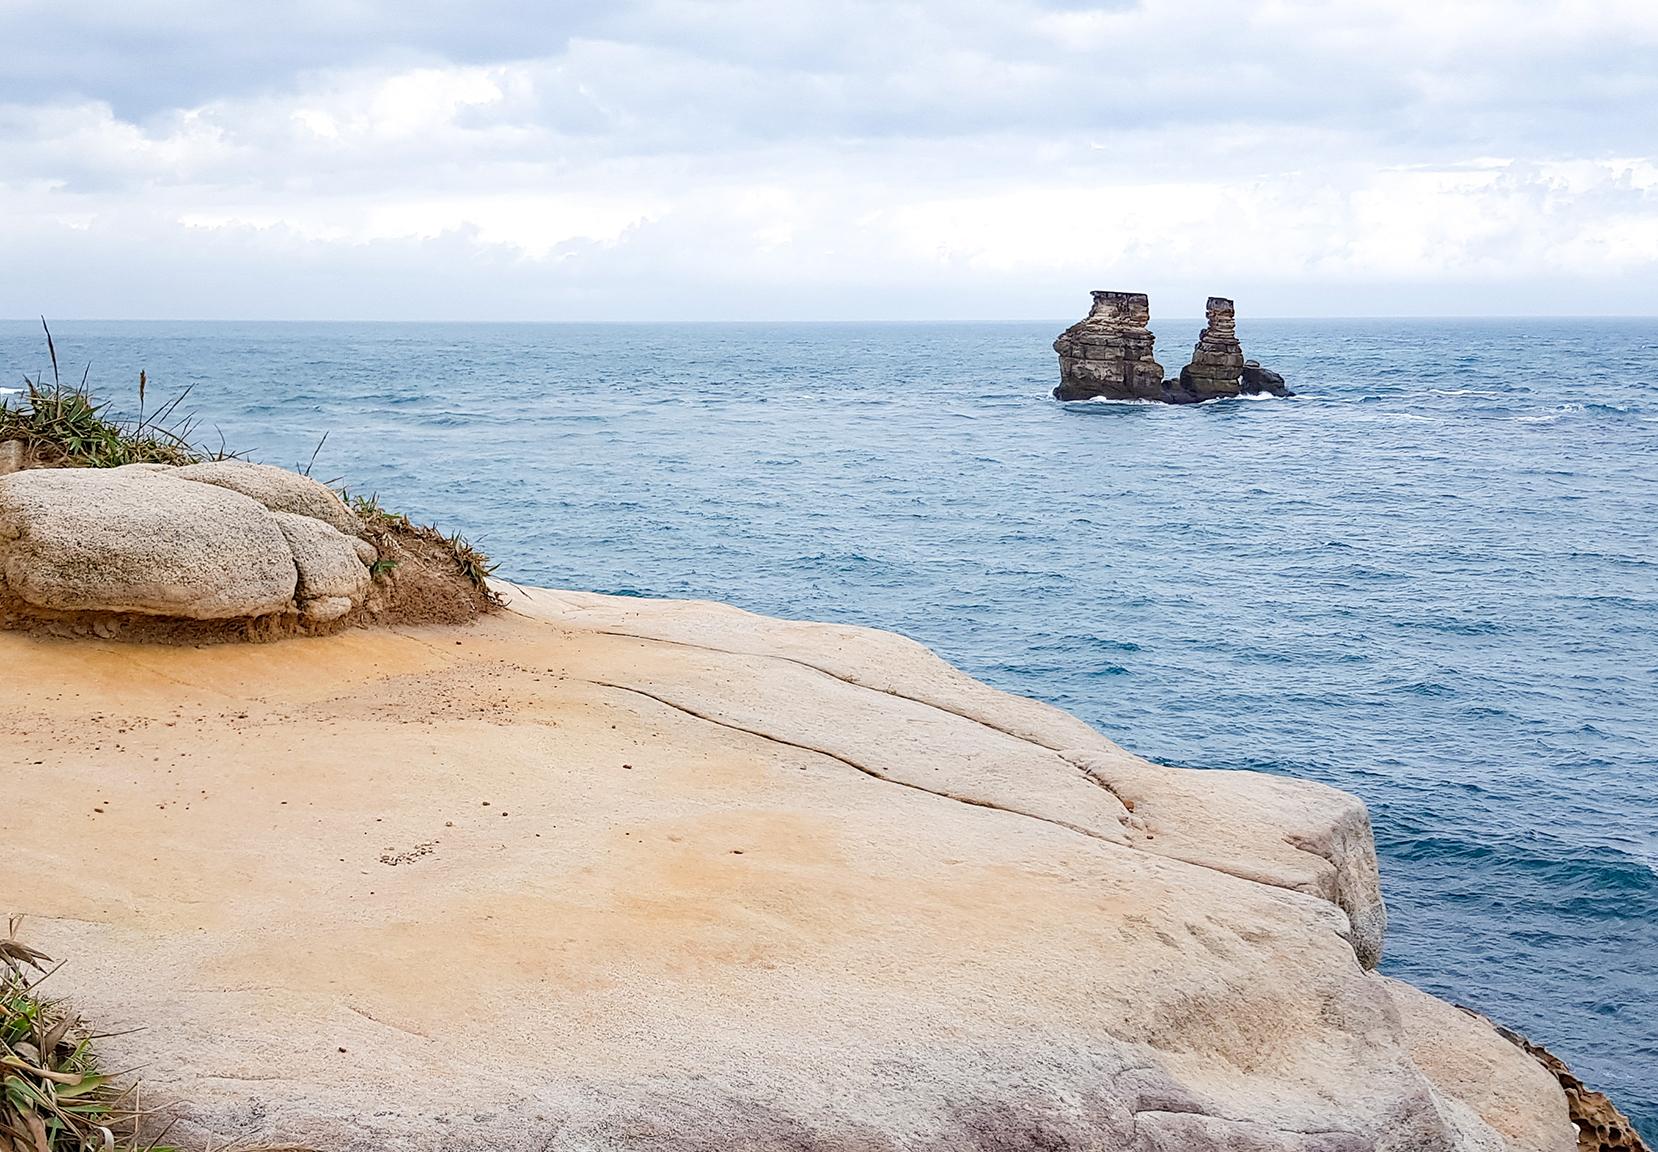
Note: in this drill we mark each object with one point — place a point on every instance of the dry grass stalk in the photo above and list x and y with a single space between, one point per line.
54 1096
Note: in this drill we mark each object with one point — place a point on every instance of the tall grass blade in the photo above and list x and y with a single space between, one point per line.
53 352
314 452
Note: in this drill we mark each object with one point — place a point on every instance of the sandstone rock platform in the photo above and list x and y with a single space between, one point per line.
606 873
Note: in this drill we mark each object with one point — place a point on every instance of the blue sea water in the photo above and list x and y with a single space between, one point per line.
1430 579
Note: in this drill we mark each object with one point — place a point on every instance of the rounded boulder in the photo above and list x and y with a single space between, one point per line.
129 540
277 489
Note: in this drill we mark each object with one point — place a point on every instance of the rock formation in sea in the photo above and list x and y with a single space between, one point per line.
1218 360
1257 379
1110 355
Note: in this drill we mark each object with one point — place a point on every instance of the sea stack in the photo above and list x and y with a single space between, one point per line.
1218 360
1110 353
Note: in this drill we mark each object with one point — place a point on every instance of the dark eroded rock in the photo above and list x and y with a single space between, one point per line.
1110 354
1257 379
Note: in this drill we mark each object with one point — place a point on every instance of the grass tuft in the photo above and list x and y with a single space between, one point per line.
383 525
54 1095
63 426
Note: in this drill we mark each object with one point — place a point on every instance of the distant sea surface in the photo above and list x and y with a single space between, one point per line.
1430 579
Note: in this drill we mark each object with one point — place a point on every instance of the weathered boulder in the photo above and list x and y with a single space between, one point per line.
13 455
603 873
277 489
183 544
134 540
332 577
1290 834
1110 354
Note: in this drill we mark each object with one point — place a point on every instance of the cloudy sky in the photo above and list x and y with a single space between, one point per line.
973 159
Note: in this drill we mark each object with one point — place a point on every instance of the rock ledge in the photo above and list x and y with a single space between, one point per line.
604 873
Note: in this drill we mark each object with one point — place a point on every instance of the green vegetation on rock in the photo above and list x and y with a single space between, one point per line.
59 425
54 1096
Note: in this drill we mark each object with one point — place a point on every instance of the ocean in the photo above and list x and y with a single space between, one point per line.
1430 579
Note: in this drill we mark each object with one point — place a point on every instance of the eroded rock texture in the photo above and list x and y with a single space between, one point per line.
226 543
1110 353
1601 1126
1218 361
614 874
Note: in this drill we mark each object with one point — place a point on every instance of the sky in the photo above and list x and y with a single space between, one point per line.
825 159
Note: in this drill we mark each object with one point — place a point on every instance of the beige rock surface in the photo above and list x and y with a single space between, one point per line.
603 874
1471 1065
332 577
1288 833
131 540
278 489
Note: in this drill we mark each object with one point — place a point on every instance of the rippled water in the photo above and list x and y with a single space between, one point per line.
1432 579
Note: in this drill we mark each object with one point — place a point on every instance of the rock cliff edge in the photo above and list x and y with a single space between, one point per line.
609 873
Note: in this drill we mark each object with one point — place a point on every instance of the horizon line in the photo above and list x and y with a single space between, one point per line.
36 319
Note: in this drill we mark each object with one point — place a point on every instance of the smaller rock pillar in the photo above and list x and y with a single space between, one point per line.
1218 361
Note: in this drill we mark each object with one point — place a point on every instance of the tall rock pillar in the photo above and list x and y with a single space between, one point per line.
1218 361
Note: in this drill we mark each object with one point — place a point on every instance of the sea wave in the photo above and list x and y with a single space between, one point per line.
1113 401
1137 402
1563 411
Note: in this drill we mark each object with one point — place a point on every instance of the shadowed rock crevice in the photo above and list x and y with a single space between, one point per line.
850 680
1230 822
853 764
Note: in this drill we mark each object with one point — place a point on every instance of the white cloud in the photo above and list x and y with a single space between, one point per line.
843 157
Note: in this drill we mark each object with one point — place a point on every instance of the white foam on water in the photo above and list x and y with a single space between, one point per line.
1558 412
